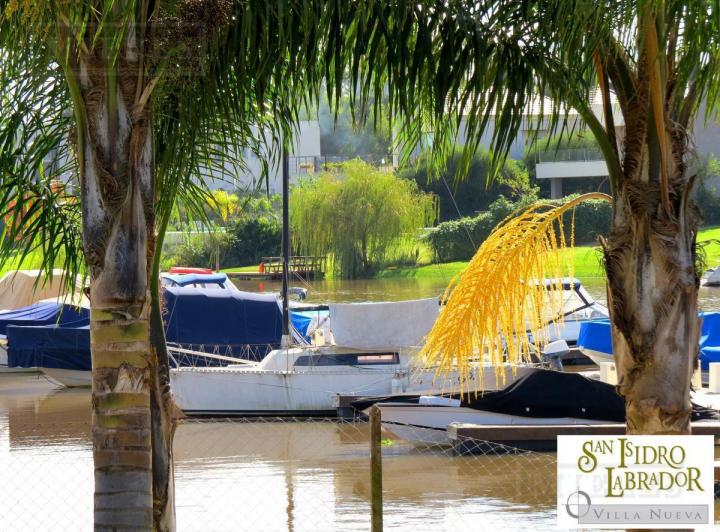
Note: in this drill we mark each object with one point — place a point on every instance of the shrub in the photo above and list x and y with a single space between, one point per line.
459 239
253 239
200 250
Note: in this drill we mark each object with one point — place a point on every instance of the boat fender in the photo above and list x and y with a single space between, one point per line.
435 400
396 385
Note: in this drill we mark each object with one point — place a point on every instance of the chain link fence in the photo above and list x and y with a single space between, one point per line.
287 474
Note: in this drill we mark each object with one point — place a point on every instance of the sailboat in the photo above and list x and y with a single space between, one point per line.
373 352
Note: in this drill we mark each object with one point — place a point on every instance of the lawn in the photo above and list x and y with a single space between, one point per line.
586 259
252 268
32 262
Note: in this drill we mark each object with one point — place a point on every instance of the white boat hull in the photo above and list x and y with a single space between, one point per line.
422 424
70 378
217 391
598 357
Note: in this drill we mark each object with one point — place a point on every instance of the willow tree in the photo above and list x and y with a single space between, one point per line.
477 66
357 213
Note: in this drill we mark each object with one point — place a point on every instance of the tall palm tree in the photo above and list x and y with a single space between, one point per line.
660 60
139 98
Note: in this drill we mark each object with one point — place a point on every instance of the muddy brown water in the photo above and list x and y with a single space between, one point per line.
272 474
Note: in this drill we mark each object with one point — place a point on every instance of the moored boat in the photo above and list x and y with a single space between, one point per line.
540 398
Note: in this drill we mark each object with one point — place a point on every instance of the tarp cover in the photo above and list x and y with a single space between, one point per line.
18 288
546 394
45 313
595 335
709 339
216 316
383 325
49 347
552 394
306 321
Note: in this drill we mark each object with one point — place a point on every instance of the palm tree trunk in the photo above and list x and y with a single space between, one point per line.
652 295
116 155
164 411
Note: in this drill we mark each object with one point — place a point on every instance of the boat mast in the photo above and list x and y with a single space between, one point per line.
285 245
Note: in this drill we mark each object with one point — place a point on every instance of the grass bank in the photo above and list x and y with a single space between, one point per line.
33 261
587 260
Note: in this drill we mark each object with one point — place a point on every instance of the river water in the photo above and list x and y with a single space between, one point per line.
272 474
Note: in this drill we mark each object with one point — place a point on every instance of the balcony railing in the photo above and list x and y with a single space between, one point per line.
570 154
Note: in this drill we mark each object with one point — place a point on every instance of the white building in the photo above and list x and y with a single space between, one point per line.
305 157
563 164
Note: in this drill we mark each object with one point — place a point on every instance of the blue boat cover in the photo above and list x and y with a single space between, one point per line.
49 346
220 317
709 339
185 279
300 323
596 335
301 320
209 317
45 313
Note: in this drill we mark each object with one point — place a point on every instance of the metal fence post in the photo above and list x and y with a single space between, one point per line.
376 503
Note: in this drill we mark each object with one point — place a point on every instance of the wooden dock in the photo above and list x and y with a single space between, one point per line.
271 269
251 276
469 438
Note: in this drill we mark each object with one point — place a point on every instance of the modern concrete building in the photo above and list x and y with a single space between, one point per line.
305 157
560 165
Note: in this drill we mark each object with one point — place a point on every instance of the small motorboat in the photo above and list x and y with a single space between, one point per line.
578 307
541 397
595 340
38 318
204 314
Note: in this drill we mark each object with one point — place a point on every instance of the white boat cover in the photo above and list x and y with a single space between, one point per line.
18 288
438 400
712 277
383 325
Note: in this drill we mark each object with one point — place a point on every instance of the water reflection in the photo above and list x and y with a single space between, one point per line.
272 475
318 473
397 289
257 475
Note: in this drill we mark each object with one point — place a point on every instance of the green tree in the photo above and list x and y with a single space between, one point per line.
226 204
355 214
707 194
476 190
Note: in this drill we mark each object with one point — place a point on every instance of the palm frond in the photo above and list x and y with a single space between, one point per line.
498 308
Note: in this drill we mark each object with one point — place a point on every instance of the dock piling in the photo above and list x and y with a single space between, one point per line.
376 502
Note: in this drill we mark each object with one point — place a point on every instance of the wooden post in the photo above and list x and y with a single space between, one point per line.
376 503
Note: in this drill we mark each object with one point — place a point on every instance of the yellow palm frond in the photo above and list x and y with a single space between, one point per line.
501 296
